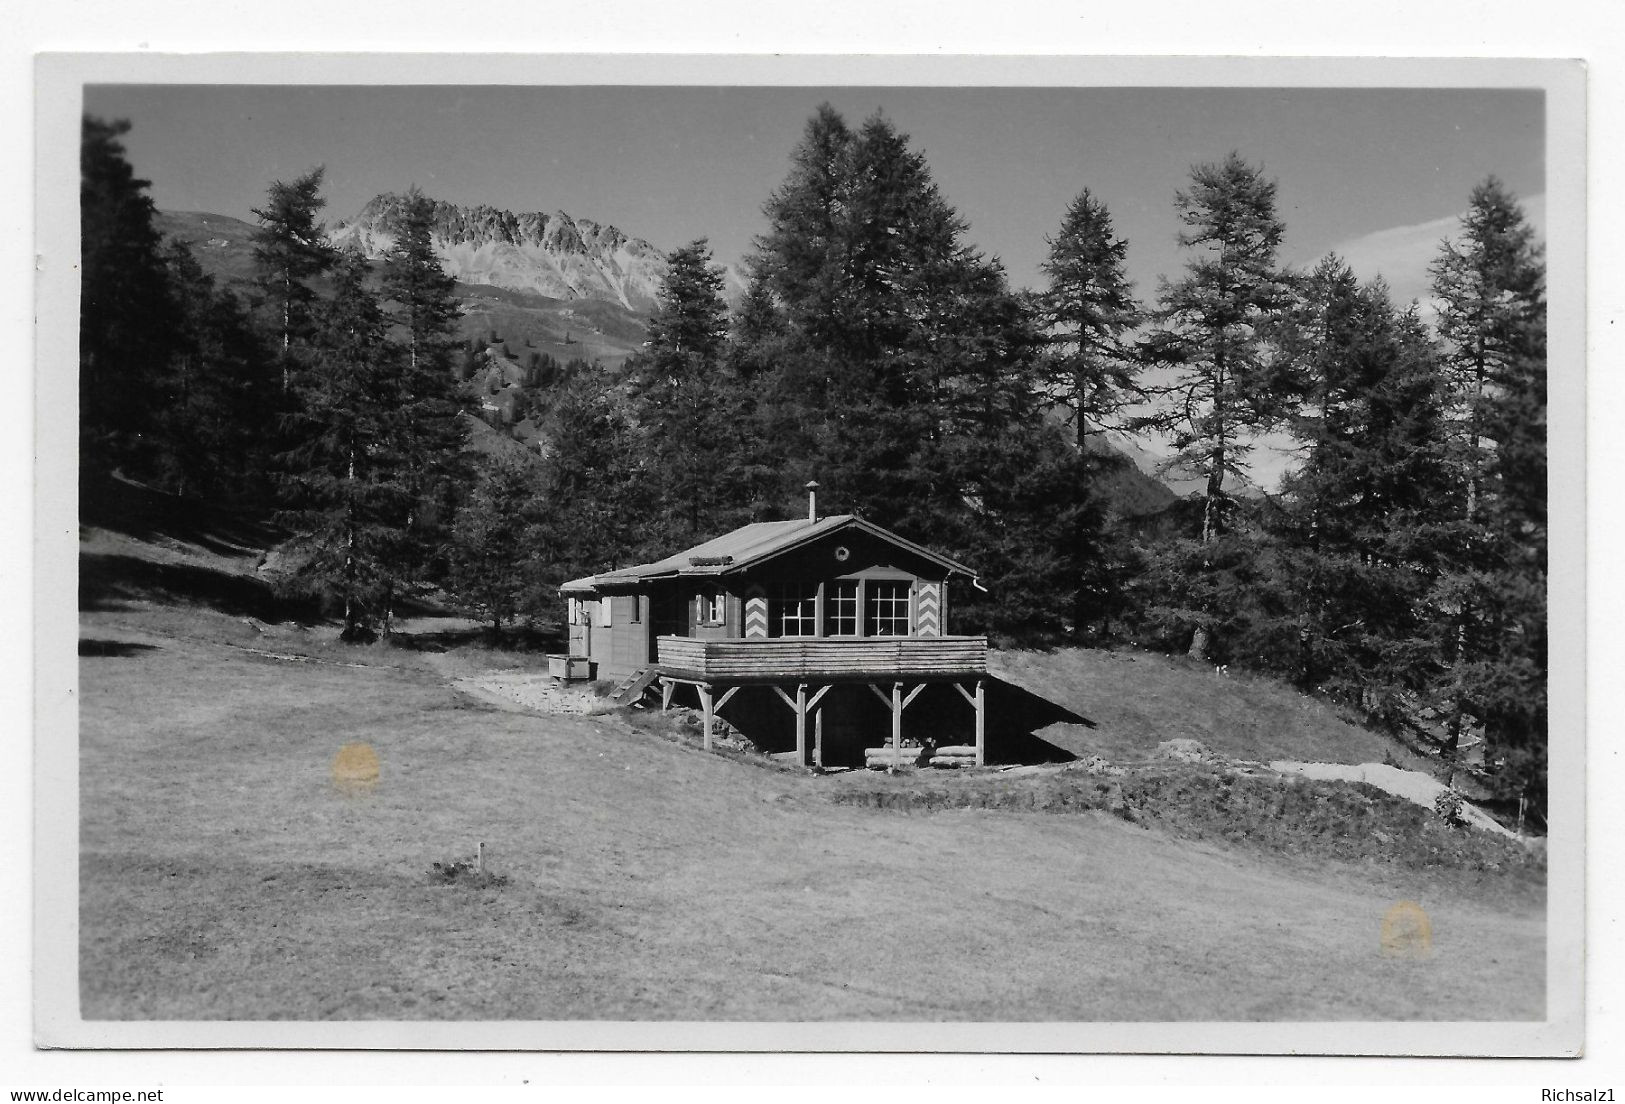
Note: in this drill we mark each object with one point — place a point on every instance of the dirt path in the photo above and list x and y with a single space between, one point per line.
537 692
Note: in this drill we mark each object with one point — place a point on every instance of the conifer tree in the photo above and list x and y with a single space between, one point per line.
905 374
492 538
1211 329
1371 519
342 473
680 401
290 251
126 311
209 424
593 498
1489 285
760 433
428 435
1089 311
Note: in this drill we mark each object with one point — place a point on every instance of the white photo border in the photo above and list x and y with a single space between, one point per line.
59 85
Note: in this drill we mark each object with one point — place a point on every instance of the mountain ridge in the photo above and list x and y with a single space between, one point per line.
557 254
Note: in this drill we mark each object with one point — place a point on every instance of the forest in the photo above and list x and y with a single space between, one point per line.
1399 569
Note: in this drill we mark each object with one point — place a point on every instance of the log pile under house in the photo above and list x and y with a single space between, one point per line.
820 616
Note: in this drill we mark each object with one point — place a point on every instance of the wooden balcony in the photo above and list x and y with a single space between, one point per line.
823 658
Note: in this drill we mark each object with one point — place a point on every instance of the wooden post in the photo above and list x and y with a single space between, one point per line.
896 724
481 850
801 724
981 725
978 702
705 705
818 724
666 687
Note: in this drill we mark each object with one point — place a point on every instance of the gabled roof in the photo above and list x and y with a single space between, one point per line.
748 546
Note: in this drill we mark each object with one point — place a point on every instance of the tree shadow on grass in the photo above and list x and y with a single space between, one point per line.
111 582
148 514
509 640
120 649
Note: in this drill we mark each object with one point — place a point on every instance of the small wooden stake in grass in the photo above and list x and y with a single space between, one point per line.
482 856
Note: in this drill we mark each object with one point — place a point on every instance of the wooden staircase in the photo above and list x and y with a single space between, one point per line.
631 689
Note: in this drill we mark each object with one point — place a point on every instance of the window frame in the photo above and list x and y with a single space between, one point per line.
835 599
714 608
899 603
792 596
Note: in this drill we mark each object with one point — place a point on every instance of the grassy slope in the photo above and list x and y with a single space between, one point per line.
1136 700
225 875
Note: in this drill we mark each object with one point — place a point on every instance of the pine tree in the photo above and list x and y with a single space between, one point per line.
342 473
428 436
126 310
491 539
1371 520
211 422
801 258
290 251
904 373
1489 285
1089 311
679 398
760 433
1211 330
593 500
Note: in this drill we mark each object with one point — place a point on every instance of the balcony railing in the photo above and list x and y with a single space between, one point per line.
824 657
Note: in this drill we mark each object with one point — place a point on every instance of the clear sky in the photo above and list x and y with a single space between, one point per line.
1378 173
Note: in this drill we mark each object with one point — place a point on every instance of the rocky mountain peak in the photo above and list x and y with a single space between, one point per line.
555 254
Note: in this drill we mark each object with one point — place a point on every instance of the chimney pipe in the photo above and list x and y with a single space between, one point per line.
812 501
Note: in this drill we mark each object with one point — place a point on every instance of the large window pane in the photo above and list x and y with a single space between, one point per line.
841 609
886 611
792 611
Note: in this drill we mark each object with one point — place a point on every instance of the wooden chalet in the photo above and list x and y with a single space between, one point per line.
827 616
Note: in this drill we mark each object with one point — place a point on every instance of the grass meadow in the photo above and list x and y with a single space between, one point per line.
227 872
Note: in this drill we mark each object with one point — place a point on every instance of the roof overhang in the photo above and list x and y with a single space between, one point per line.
682 566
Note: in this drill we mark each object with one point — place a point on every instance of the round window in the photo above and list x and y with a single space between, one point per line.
843 553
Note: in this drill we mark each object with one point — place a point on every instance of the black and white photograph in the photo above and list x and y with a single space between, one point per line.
849 564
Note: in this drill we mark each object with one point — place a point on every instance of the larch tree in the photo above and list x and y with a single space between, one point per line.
1370 520
593 496
290 251
1489 287
126 312
213 390
1089 313
342 471
428 434
491 538
1210 332
905 372
679 399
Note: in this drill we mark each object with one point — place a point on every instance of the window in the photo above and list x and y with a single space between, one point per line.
603 612
636 615
713 609
886 612
793 611
575 611
841 609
